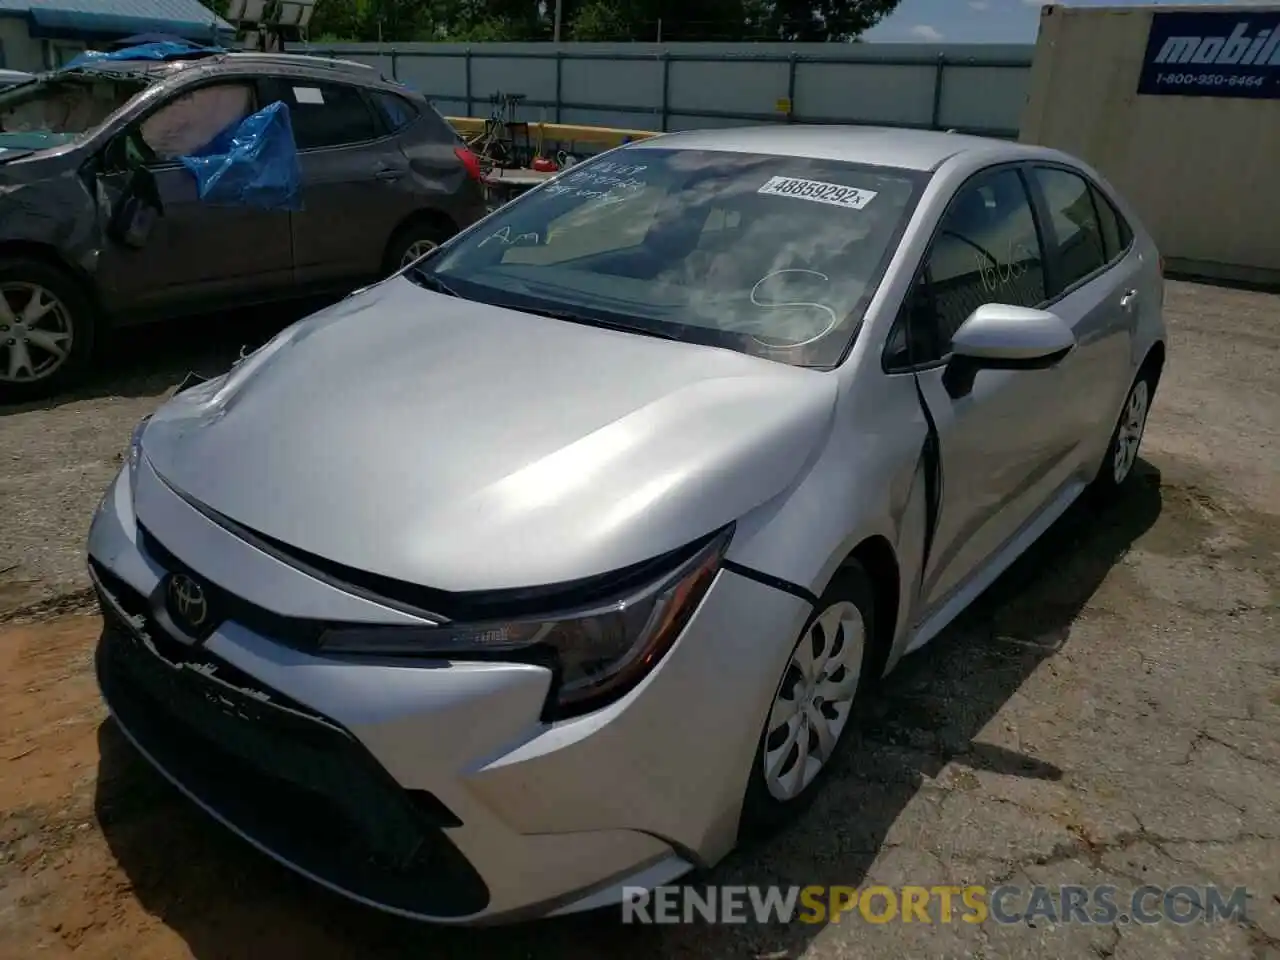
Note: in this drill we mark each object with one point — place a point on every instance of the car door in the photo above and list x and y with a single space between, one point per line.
1001 448
352 169
1097 290
197 255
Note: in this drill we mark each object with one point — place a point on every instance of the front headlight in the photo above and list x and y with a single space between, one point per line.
597 655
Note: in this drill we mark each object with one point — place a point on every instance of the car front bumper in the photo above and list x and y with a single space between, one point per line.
428 789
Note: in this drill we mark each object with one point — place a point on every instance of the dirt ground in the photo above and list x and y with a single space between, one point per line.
1108 712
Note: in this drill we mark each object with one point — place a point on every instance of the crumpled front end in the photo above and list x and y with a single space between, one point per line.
433 788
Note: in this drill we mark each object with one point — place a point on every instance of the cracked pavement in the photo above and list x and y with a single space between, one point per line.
1108 713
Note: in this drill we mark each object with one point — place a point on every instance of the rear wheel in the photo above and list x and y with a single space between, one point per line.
415 239
812 707
1126 438
46 330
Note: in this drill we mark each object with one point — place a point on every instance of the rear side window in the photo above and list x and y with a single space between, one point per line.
329 114
1074 219
397 112
1116 235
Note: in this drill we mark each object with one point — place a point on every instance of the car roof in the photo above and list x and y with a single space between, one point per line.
922 150
277 64
153 69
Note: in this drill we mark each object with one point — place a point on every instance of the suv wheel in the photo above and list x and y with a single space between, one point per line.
46 330
415 239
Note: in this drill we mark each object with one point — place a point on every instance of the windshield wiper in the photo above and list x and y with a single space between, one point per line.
573 316
433 283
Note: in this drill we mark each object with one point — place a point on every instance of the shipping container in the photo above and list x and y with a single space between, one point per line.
1179 107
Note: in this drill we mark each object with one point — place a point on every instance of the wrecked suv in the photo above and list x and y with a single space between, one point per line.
102 225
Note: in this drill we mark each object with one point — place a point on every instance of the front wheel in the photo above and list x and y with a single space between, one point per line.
812 707
46 330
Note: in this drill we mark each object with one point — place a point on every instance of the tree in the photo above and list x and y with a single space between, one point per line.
480 21
817 20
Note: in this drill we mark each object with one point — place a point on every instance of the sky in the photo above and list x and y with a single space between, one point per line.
982 21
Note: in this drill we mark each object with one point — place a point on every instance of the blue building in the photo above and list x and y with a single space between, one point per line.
39 35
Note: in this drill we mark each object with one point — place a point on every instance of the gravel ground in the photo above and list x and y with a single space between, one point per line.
1107 713
57 458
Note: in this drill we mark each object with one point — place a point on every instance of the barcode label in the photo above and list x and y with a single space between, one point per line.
834 194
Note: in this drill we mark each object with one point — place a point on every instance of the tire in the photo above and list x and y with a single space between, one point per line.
1122 452
416 233
63 317
848 603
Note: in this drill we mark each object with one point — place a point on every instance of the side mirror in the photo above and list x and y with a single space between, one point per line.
998 336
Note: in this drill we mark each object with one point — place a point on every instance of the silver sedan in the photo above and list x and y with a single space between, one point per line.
555 564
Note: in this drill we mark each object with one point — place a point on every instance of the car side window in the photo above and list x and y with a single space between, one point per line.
192 120
397 112
329 115
1116 235
986 250
1081 250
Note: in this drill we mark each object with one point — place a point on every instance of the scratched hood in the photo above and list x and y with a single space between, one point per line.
466 447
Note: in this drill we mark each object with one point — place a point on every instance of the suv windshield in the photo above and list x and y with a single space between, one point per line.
61 108
770 255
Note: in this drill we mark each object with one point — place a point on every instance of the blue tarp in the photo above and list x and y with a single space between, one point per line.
106 20
253 164
147 51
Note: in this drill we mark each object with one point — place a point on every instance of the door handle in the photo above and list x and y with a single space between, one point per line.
1129 300
387 173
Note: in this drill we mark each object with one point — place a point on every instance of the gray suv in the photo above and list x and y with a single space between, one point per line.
102 226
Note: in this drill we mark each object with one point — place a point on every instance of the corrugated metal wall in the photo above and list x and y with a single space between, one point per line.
1201 171
978 88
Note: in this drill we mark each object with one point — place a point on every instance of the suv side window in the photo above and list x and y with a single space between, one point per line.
193 119
986 250
1081 249
397 112
328 114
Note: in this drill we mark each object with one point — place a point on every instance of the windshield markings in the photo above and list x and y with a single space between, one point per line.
607 182
504 234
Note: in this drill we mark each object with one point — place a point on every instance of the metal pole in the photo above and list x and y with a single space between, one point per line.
555 36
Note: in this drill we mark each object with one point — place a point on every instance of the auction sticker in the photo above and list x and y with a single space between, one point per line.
834 194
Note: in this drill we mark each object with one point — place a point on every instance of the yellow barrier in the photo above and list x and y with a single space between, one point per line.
563 132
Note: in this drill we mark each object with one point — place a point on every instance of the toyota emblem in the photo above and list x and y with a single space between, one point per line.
187 602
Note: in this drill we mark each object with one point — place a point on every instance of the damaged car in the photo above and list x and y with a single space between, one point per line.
151 184
558 562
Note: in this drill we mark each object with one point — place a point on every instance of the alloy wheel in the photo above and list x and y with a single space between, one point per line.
1133 421
812 706
36 332
416 250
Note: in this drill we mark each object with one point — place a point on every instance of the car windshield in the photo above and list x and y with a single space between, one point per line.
770 255
61 108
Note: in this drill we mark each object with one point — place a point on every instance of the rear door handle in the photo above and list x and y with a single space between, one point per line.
1129 300
387 173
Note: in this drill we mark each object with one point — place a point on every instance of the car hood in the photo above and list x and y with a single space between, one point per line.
465 447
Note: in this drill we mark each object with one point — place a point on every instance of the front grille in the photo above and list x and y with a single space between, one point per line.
279 772
297 632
